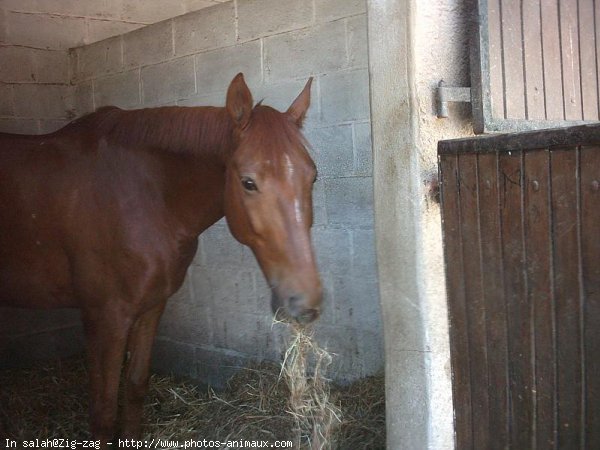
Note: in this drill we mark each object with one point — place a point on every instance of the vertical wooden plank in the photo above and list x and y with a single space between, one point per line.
493 296
518 314
569 38
566 288
514 83
459 341
597 49
538 250
475 310
587 48
534 75
495 50
552 61
590 245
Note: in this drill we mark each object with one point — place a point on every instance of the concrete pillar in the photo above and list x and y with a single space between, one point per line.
398 212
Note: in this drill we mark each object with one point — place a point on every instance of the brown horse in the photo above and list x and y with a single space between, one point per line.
104 215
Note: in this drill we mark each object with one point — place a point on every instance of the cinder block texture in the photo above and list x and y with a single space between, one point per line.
201 99
230 288
345 96
186 320
216 69
355 306
151 12
148 45
97 59
51 32
266 17
27 65
19 126
63 24
314 50
3 26
230 326
350 202
104 29
334 9
6 100
105 8
215 366
83 98
203 30
281 94
168 81
333 247
363 151
44 101
194 5
122 89
332 150
142 12
51 125
357 41
219 248
49 66
319 210
363 253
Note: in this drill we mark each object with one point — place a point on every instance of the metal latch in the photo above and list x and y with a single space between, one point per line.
447 94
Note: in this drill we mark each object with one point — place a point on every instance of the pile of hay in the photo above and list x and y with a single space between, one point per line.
263 402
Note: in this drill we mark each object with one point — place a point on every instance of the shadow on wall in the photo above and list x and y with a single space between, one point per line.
30 336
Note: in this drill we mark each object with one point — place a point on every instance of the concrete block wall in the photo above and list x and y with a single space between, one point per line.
221 317
35 35
63 24
35 95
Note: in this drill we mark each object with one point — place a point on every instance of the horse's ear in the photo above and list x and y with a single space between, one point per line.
239 101
298 108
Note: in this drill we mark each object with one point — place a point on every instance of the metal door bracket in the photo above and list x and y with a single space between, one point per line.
447 94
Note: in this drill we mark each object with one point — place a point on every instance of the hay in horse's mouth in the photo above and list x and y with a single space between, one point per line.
304 368
51 401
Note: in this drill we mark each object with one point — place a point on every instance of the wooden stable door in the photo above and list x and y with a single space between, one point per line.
521 222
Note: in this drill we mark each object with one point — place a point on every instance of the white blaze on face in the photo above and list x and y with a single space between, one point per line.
288 165
297 210
290 172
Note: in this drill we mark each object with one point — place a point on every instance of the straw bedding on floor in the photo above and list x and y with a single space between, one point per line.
291 401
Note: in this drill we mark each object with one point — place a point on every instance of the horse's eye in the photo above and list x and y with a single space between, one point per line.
249 184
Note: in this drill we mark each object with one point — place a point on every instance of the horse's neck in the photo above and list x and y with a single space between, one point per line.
193 146
198 190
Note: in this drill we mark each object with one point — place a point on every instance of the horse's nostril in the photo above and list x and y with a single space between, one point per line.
308 316
295 302
297 310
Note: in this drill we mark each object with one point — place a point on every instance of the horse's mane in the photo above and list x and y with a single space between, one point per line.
172 128
192 130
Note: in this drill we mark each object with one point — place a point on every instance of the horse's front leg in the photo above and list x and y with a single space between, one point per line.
137 374
106 336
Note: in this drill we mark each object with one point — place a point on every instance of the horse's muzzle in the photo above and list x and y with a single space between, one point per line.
294 309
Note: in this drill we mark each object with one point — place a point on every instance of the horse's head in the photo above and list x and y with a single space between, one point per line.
268 198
